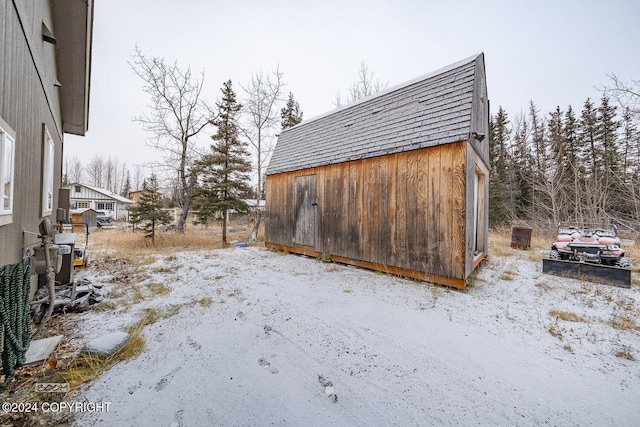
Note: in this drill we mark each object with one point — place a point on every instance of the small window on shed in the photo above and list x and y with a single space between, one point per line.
78 189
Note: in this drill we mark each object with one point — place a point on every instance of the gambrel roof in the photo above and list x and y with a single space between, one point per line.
433 109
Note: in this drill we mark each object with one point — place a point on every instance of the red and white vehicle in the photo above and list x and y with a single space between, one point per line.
599 245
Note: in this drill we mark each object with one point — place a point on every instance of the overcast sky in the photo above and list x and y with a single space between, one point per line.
552 52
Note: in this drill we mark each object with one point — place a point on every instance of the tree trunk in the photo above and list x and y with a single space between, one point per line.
186 201
256 226
224 228
183 215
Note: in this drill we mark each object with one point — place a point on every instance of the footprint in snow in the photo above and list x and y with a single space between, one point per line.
193 343
164 381
328 388
135 387
178 419
267 365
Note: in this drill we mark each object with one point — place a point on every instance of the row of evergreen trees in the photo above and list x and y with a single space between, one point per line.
567 166
223 171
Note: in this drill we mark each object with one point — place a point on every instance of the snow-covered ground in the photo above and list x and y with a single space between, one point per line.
289 340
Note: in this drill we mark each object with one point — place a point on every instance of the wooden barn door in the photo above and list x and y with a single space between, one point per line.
305 187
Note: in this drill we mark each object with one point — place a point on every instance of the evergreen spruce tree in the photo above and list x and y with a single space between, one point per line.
556 140
523 176
559 173
291 114
613 175
498 174
587 132
593 204
148 211
573 147
630 141
537 126
607 135
539 199
126 186
574 150
224 171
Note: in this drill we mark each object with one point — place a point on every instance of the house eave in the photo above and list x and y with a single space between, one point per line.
73 28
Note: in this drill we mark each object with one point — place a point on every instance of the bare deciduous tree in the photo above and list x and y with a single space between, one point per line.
627 94
364 86
264 94
95 170
73 170
177 115
111 169
138 178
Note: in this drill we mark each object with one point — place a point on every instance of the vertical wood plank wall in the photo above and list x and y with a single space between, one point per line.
406 210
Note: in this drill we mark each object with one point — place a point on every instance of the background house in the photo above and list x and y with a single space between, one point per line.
45 58
397 182
105 202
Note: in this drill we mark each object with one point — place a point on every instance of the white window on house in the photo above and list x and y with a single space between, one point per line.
105 206
48 152
82 205
78 189
7 166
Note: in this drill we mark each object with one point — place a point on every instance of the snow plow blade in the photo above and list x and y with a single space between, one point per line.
597 273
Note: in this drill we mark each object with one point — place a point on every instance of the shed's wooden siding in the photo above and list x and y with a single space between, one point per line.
401 178
28 99
405 212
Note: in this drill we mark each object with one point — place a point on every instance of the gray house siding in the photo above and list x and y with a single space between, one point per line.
30 104
26 104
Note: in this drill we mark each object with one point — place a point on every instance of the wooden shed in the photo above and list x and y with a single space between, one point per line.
84 216
397 182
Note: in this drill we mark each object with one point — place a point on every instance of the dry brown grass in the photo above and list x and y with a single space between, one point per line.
122 242
500 244
567 316
544 286
86 367
624 321
625 353
633 253
204 301
556 330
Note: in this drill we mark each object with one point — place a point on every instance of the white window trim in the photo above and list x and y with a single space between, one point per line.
48 173
481 198
7 150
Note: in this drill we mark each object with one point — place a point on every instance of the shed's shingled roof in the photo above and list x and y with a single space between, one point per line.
431 110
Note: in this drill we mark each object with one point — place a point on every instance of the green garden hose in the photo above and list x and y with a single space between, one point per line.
14 317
